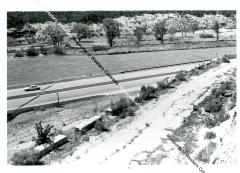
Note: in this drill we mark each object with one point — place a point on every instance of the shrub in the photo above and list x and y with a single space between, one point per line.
123 108
147 93
221 91
59 51
181 76
44 50
18 54
225 59
213 105
204 35
10 41
31 51
99 125
26 157
230 56
218 92
129 112
204 154
201 67
210 135
195 108
43 134
100 47
162 85
194 71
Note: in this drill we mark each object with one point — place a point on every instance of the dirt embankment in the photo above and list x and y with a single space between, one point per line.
142 139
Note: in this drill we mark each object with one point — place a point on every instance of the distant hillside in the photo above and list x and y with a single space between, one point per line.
18 19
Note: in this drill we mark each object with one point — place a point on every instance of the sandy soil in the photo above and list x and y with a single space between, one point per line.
142 139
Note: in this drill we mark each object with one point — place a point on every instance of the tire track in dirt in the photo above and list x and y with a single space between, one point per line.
139 132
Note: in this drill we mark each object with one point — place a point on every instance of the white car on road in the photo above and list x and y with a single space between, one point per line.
32 88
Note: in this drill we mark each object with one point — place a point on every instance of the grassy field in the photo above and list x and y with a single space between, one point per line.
129 40
38 69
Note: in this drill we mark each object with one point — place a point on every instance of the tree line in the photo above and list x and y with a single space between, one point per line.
19 19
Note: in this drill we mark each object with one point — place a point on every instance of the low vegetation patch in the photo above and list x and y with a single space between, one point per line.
204 154
213 104
100 47
100 126
225 59
44 50
146 93
163 85
204 35
26 157
210 135
123 108
59 51
181 76
19 54
31 51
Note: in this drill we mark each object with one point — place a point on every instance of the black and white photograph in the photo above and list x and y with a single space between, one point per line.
119 87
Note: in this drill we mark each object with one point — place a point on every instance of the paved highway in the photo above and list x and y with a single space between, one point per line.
71 90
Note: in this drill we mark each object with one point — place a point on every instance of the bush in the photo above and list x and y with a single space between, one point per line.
204 154
146 93
10 41
221 91
220 117
218 92
100 47
194 71
44 50
204 35
213 105
181 76
162 85
225 59
210 135
18 54
26 157
195 108
123 108
31 51
43 134
59 51
230 56
99 125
